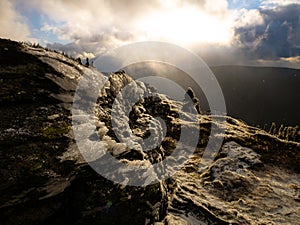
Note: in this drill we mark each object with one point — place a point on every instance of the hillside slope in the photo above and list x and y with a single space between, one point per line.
44 179
257 95
261 95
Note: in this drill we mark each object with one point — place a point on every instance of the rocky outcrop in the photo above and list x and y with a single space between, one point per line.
236 189
45 179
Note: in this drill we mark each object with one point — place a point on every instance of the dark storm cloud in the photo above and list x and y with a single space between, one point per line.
278 37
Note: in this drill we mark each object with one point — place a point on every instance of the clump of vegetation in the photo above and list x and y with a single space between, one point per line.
87 63
288 133
79 60
55 131
39 46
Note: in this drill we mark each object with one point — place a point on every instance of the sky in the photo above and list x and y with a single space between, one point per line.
222 32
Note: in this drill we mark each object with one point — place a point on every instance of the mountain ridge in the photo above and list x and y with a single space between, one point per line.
45 180
257 95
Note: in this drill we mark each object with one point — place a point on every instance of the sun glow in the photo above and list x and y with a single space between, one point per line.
187 26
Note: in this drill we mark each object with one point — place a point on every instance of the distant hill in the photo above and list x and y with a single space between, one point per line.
257 95
261 95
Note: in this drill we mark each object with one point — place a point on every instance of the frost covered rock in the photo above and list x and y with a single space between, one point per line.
42 169
231 175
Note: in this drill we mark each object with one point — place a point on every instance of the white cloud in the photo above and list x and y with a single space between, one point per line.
94 26
217 7
248 18
12 24
274 3
128 20
92 17
291 62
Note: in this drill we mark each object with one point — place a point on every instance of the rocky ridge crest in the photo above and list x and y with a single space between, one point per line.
45 180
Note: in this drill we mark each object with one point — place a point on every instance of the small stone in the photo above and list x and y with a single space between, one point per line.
53 117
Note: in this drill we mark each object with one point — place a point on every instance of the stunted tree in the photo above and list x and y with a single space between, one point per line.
87 63
79 60
273 129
